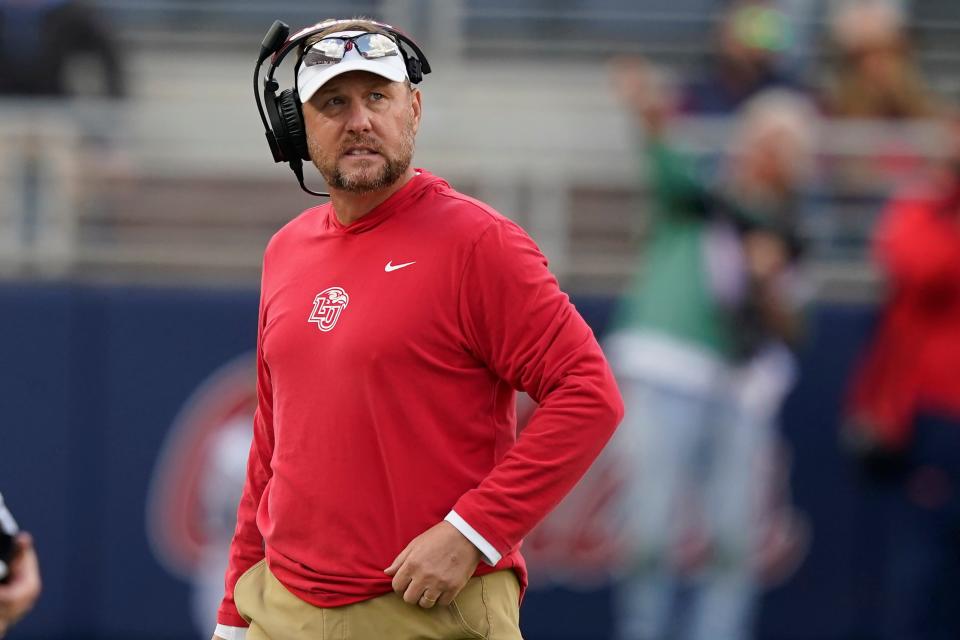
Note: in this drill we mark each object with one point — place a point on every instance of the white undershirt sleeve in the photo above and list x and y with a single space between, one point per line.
230 633
490 555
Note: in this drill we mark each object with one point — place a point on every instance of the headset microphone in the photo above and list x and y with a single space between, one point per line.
282 115
276 36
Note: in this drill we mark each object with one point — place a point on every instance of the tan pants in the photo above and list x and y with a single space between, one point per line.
488 608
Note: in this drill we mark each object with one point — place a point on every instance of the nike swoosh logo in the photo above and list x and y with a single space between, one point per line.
393 267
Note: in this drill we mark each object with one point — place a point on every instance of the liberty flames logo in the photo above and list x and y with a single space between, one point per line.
327 307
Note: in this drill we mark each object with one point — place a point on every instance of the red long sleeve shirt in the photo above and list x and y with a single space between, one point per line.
389 353
913 364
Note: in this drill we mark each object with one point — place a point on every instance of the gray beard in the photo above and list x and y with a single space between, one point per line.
391 171
361 182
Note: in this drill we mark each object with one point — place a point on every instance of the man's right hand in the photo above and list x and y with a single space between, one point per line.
21 591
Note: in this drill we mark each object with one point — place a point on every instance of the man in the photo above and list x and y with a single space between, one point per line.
22 586
386 492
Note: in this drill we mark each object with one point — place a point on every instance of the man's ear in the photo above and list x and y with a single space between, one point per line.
417 106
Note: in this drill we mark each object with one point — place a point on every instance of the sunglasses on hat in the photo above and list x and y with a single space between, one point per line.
331 50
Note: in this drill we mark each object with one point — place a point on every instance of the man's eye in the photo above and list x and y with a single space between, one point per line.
377 96
335 101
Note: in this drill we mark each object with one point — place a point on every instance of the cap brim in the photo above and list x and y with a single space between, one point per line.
310 79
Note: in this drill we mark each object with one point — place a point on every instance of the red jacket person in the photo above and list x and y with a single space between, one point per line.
387 493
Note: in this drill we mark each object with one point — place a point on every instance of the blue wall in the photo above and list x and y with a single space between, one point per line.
92 378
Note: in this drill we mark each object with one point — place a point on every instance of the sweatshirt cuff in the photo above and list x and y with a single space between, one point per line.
490 555
230 633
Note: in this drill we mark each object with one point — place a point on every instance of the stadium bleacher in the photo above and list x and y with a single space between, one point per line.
176 179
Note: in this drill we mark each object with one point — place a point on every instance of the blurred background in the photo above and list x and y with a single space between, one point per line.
137 195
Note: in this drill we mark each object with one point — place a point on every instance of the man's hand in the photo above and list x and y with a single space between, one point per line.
19 594
434 567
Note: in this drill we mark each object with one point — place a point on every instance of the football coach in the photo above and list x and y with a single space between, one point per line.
387 492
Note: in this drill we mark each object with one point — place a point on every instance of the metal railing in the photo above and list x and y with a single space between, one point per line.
117 191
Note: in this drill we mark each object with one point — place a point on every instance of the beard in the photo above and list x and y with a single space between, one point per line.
364 178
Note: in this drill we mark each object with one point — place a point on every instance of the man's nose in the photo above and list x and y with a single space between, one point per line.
358 118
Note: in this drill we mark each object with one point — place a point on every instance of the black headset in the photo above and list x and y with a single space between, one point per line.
285 130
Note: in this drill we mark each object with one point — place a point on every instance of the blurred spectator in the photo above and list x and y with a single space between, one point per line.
876 80
904 411
57 48
698 345
55 153
876 75
751 38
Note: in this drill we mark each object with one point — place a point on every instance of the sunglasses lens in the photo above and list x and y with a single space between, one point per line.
376 45
327 51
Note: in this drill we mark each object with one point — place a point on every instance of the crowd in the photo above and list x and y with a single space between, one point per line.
705 338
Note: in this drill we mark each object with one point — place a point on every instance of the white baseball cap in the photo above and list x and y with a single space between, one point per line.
311 78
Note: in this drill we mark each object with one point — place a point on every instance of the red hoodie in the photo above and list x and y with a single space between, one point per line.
389 352
913 363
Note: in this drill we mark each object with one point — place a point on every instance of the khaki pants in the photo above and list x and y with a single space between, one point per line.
487 608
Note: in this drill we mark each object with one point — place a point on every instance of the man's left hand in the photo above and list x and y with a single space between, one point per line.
434 567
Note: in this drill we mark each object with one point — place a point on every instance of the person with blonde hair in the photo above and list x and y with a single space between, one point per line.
699 347
876 75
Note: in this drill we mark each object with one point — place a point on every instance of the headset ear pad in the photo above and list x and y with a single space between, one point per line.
290 130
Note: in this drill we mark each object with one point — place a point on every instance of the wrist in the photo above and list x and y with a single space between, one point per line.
488 553
476 556
470 550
